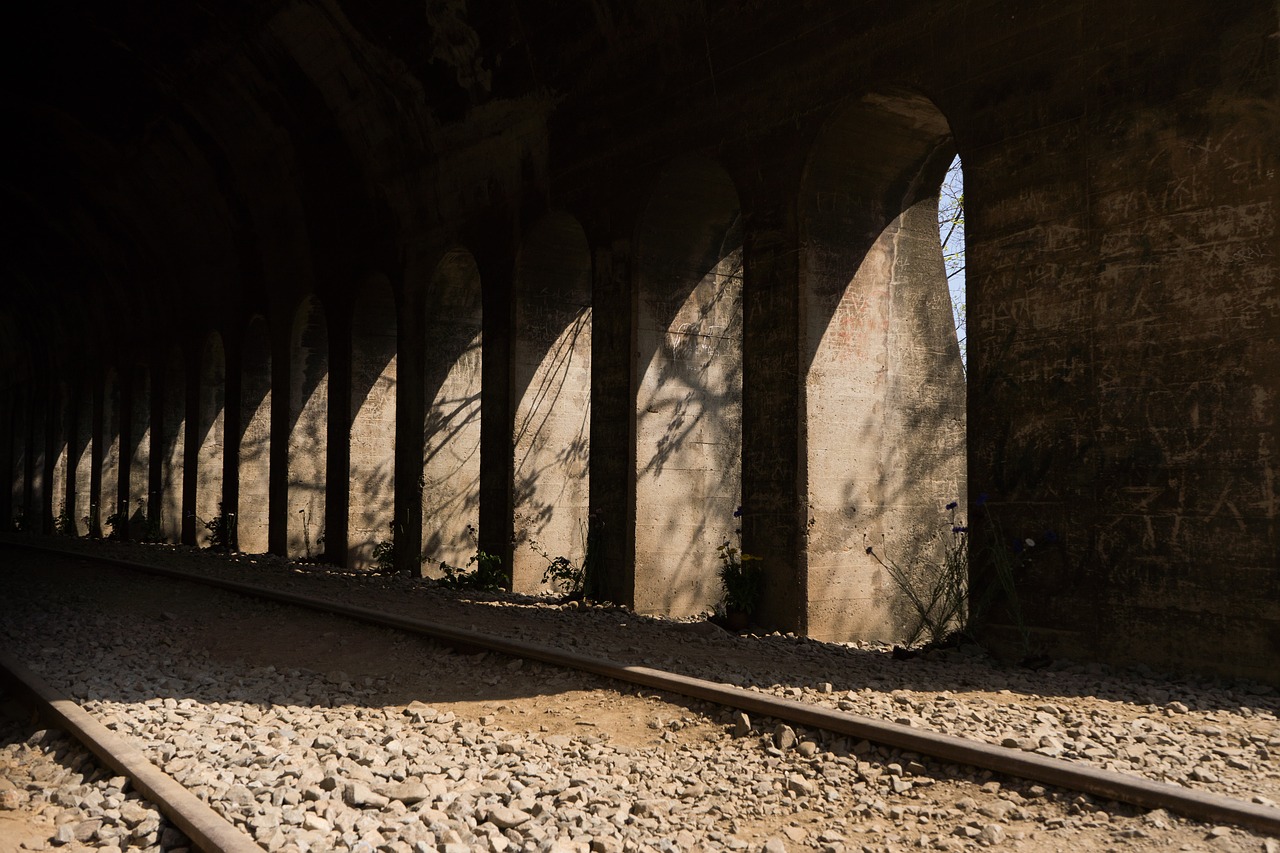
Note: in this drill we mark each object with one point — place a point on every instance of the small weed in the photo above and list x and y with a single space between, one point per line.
384 553
222 530
743 582
568 579
63 525
940 592
483 572
113 524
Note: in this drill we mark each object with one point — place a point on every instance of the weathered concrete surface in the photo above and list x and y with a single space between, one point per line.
1121 187
884 398
171 449
204 464
139 487
552 385
308 434
451 427
689 394
371 511
252 517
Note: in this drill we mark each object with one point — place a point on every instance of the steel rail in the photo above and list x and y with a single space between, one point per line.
207 829
1121 787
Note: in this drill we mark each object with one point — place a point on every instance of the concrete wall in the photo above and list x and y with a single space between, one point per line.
884 385
451 427
59 432
689 393
373 422
82 458
171 447
139 493
109 463
252 525
552 390
206 466
308 434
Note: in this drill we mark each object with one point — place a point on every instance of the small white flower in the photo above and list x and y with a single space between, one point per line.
1031 543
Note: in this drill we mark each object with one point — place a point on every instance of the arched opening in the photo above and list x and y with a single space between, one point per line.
371 509
689 396
81 511
309 429
107 518
140 526
37 496
17 451
884 386
451 428
60 484
172 445
252 518
210 442
552 392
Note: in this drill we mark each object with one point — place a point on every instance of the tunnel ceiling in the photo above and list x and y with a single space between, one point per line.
159 143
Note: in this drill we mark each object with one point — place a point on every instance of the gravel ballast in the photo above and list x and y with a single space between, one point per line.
308 758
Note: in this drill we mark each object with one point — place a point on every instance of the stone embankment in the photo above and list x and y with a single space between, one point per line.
315 733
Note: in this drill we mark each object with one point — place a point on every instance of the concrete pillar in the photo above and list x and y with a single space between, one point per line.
61 484
552 392
452 425
37 491
253 503
689 396
171 446
139 523
82 458
207 466
773 511
308 431
371 459
494 256
613 422
109 509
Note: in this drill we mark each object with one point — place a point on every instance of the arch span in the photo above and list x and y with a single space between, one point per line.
210 439
308 429
172 444
371 511
451 428
688 407
255 437
552 392
884 388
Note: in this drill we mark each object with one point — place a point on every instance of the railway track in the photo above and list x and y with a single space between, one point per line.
835 742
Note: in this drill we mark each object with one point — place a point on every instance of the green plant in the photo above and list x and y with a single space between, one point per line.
384 553
221 530
482 573
743 582
63 525
937 591
568 579
113 524
151 531
487 576
941 592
